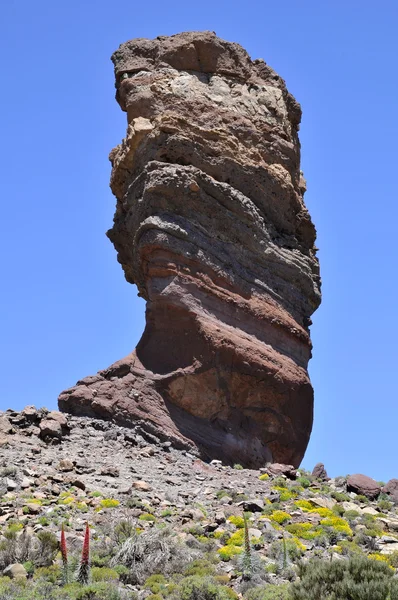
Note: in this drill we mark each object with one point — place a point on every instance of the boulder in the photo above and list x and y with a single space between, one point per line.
277 469
15 571
391 488
211 227
364 485
50 429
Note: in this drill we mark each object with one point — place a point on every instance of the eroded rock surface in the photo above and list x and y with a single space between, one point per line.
211 226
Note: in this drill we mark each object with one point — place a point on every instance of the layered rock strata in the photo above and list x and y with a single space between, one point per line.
211 226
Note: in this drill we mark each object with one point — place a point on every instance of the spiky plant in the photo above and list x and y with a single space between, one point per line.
285 554
83 574
64 554
246 561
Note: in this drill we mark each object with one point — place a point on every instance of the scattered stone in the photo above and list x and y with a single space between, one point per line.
26 483
323 502
11 484
253 505
143 486
34 509
65 465
110 470
369 510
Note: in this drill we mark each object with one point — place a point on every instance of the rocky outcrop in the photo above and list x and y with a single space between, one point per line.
211 226
319 472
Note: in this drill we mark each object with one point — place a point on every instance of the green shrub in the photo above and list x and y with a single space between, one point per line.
51 573
48 548
361 498
200 566
304 531
221 494
147 517
104 574
238 467
338 510
29 567
109 503
98 591
351 514
123 530
238 521
304 482
384 505
268 592
227 552
340 497
279 516
393 559
338 524
264 477
281 550
202 588
354 579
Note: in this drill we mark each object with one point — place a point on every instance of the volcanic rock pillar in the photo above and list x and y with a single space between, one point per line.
211 226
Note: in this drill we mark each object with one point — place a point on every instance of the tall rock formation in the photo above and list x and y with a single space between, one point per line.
211 226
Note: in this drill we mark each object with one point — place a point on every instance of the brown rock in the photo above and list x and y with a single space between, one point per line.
34 509
60 418
143 486
110 470
319 472
50 429
364 485
277 469
65 465
211 226
391 488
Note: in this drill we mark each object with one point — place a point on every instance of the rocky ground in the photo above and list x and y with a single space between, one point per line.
57 469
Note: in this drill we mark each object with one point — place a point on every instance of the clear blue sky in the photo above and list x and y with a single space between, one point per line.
66 310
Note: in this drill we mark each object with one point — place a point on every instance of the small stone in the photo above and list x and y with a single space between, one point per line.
34 509
254 505
143 486
65 465
78 483
369 510
26 483
15 571
11 484
110 470
193 186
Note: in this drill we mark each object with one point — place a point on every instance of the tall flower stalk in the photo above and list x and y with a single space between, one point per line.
64 554
247 553
83 573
